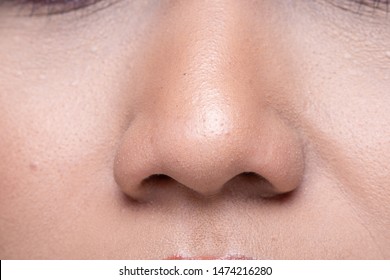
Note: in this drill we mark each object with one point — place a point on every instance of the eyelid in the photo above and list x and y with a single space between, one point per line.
58 7
42 8
363 7
374 4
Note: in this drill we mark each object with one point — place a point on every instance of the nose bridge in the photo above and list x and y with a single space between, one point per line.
202 106
201 31
196 48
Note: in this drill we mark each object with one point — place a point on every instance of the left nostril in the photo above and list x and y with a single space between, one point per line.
251 184
250 174
156 180
148 186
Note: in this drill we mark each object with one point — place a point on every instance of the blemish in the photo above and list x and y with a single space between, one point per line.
33 166
94 49
387 54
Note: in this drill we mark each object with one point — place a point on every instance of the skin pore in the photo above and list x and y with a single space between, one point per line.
144 129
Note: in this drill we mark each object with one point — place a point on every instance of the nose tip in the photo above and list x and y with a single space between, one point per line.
204 166
204 153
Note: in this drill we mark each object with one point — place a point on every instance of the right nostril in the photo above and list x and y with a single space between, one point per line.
250 175
147 188
157 179
251 184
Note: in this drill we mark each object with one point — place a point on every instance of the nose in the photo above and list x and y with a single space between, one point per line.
204 118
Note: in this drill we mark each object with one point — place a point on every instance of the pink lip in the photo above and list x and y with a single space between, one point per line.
229 257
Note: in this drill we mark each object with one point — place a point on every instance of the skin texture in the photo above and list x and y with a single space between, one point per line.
152 129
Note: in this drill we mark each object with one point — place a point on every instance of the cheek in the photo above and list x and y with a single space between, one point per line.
354 141
347 118
55 147
60 123
56 130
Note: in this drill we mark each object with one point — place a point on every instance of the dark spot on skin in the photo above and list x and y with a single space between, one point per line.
33 166
184 74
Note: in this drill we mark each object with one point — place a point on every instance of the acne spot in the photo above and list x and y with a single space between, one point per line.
387 54
33 166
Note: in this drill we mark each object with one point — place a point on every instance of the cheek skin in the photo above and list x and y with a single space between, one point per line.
200 92
352 123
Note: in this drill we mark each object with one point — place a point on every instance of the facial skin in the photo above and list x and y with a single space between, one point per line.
152 129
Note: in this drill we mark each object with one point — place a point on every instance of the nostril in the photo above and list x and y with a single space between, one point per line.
251 184
251 175
157 179
149 187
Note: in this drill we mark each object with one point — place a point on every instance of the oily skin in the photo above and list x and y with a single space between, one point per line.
203 92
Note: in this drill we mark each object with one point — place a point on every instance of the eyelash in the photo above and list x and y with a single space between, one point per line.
52 7
55 7
362 6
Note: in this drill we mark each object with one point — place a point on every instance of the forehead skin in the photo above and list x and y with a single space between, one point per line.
269 120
